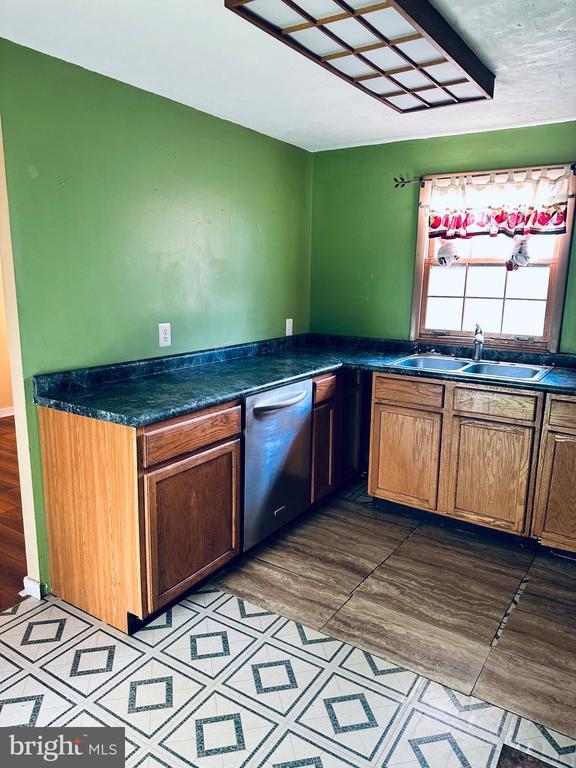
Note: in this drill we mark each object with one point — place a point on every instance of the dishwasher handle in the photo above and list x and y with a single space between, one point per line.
268 407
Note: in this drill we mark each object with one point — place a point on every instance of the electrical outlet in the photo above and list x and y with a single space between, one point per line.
164 334
289 326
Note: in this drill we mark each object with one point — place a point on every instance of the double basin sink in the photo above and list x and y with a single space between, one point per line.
464 366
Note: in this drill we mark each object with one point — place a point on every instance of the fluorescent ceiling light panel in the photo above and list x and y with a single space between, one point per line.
401 52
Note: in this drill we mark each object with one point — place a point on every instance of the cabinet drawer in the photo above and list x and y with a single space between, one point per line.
562 414
325 388
408 392
166 440
491 403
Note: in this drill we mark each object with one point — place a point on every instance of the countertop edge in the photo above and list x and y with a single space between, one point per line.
181 409
185 407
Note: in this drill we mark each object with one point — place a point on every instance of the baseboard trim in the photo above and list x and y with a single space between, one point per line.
32 587
4 412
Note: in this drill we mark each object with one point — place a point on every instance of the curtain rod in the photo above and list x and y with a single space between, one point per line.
400 181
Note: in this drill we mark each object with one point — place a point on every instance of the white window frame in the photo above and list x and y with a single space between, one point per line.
550 340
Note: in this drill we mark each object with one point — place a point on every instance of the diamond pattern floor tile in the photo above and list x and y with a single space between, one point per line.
43 632
85 719
351 716
380 672
10 615
8 669
474 712
429 742
150 696
205 597
32 702
247 614
151 761
164 626
93 662
217 682
294 751
308 640
209 646
274 678
548 745
219 733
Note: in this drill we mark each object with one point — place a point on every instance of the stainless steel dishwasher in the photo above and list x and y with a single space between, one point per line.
277 464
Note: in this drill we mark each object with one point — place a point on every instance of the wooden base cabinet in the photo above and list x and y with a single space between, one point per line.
463 450
192 520
490 473
138 516
555 508
405 457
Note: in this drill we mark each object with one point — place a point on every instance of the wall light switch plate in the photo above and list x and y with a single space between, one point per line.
289 326
164 334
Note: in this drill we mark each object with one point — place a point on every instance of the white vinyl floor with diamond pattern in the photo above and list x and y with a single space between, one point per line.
217 682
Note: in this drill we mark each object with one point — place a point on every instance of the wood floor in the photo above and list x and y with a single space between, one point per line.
12 553
429 598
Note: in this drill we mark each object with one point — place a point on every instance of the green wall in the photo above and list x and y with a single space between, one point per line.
364 230
128 210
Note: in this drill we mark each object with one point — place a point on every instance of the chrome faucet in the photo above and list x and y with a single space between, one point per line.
478 343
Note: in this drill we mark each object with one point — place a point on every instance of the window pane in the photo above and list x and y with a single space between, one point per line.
542 246
486 247
446 281
486 312
444 314
528 283
525 318
486 281
462 246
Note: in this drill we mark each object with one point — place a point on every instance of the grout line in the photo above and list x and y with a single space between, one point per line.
513 604
368 576
504 620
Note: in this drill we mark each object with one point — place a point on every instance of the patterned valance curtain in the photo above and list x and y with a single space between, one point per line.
525 202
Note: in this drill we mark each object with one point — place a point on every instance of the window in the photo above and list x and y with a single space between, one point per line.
465 269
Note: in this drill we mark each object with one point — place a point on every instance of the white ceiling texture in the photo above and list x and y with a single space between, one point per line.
199 53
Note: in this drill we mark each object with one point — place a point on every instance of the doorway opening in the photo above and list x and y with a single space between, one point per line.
12 547
19 556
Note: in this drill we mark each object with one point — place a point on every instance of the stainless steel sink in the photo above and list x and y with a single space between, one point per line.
464 366
507 370
432 363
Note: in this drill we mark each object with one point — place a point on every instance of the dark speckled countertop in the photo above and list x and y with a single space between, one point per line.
148 391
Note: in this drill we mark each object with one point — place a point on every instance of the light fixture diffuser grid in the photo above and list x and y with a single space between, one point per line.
357 43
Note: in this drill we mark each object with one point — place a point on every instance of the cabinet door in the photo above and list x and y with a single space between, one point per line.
490 472
323 449
405 455
555 521
192 512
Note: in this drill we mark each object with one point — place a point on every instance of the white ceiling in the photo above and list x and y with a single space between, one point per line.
198 53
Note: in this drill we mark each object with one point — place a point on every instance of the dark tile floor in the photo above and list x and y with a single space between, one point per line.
12 553
481 615
512 758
